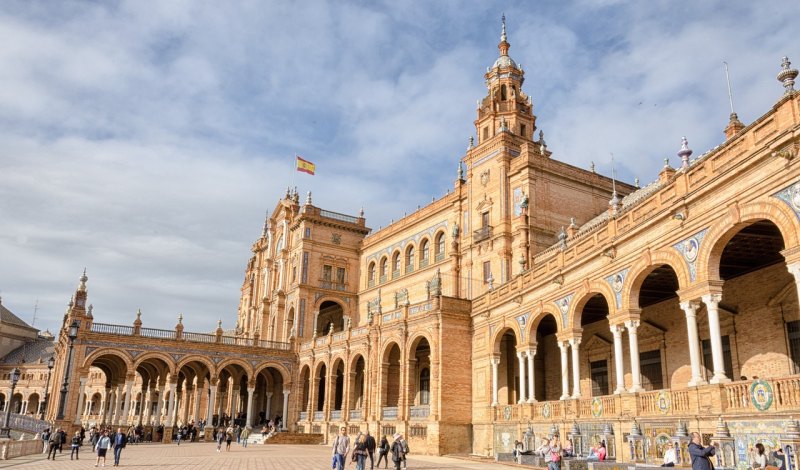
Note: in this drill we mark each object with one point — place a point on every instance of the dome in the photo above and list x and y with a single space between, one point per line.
505 61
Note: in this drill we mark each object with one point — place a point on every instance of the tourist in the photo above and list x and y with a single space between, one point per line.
397 451
63 434
179 435
780 458
46 440
552 456
405 451
341 446
544 448
120 440
245 436
568 450
758 459
76 444
517 451
670 456
220 438
53 442
360 451
383 452
238 433
700 456
103 444
228 438
598 452
371 445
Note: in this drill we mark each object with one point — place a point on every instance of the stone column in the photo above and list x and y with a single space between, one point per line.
127 405
234 402
619 368
712 305
285 415
563 345
690 310
117 419
495 361
159 405
531 379
210 410
269 405
794 268
198 391
636 371
173 391
104 404
521 360
250 391
576 367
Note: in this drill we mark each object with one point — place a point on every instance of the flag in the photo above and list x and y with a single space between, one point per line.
304 165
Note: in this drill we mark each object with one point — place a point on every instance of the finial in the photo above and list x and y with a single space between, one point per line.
471 142
684 153
614 202
180 318
83 279
308 198
361 212
288 192
138 314
219 323
71 301
787 75
89 311
461 170
266 226
542 143
591 166
572 223
503 36
636 181
666 162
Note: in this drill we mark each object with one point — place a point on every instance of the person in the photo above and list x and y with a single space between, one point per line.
383 452
75 445
238 434
670 457
397 451
341 446
699 455
404 443
53 442
245 436
103 444
757 457
220 438
120 440
598 452
179 435
360 451
46 440
780 458
553 454
228 438
567 450
544 448
517 452
371 445
63 440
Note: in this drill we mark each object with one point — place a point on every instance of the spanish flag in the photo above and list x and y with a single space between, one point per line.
304 165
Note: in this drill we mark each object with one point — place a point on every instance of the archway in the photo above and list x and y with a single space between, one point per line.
507 371
420 375
305 395
331 315
337 390
596 346
268 395
547 369
357 388
321 377
391 381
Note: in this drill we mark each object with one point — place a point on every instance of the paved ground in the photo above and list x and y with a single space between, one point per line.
203 456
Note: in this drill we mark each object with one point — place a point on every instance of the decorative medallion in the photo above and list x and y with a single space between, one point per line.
89 350
563 307
133 353
216 359
176 357
484 178
336 238
597 407
507 413
522 320
761 394
689 249
663 402
546 410
791 196
617 282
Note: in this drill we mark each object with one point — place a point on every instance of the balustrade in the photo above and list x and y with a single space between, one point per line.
420 411
304 416
355 415
389 412
336 415
319 415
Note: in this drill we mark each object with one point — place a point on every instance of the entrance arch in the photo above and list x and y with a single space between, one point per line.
331 315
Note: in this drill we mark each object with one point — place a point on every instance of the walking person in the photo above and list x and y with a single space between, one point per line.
397 451
120 440
245 436
228 438
103 444
700 456
53 442
371 445
180 435
552 455
75 446
220 439
758 458
404 443
383 452
341 446
360 451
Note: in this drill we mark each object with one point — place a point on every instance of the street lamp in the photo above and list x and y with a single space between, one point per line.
72 333
50 364
5 431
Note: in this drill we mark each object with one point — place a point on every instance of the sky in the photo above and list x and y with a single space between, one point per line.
145 140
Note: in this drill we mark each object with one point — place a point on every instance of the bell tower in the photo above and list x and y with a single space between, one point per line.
506 107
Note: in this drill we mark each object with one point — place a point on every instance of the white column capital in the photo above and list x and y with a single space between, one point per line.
617 330
794 269
690 307
269 394
563 346
531 352
520 355
632 325
286 391
495 361
712 299
574 342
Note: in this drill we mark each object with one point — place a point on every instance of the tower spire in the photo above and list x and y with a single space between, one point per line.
504 45
503 33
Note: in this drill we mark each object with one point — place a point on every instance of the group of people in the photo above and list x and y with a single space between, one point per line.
364 447
758 458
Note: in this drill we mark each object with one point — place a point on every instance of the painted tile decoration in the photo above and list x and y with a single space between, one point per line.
689 249
522 320
563 307
617 282
791 196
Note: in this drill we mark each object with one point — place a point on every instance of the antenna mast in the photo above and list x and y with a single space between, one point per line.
728 79
35 311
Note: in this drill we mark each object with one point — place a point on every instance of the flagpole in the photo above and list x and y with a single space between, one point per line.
294 170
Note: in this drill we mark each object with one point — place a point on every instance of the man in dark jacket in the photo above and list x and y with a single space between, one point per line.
371 445
118 441
701 456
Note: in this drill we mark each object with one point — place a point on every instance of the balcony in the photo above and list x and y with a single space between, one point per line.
304 416
336 415
420 412
395 274
319 416
332 285
355 415
389 412
483 233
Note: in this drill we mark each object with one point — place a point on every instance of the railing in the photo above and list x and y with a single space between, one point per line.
336 415
199 337
371 283
331 285
389 412
681 401
395 274
482 234
235 340
355 415
439 256
112 329
423 262
787 392
409 268
10 449
382 279
338 216
274 345
737 396
420 411
24 423
304 416
157 333
319 415
507 412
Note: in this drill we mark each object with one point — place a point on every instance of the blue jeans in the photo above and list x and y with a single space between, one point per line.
554 466
117 453
339 462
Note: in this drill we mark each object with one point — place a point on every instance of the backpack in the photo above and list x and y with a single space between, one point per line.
555 456
405 446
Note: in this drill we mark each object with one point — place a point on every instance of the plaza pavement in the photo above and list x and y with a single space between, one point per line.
203 456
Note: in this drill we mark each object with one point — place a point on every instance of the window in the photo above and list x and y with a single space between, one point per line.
304 270
708 358
650 363
410 258
440 246
487 271
485 219
294 274
371 275
793 329
396 265
327 273
340 277
307 232
424 251
301 322
485 133
383 269
425 387
522 130
599 375
503 94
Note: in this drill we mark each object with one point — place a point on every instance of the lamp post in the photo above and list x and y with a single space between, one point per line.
50 364
5 431
71 334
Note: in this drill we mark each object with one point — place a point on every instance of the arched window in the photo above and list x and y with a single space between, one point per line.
503 94
425 386
383 269
396 265
440 246
371 274
410 258
424 252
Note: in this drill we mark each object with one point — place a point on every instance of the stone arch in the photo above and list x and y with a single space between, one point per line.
121 354
318 366
414 341
644 266
170 362
498 336
201 359
354 360
346 314
285 375
721 232
439 243
536 319
387 348
248 369
583 295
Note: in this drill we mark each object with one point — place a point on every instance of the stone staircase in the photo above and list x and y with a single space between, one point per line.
294 438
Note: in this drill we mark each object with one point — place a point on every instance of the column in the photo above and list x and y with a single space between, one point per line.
712 305
690 310
633 340
250 392
563 345
495 363
175 412
81 398
117 408
269 405
198 390
234 402
576 368
173 391
159 405
521 360
104 404
127 405
531 380
285 415
619 368
210 409
794 268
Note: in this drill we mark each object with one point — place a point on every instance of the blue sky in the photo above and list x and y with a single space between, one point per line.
145 140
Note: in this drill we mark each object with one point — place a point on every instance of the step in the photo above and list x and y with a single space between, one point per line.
295 438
